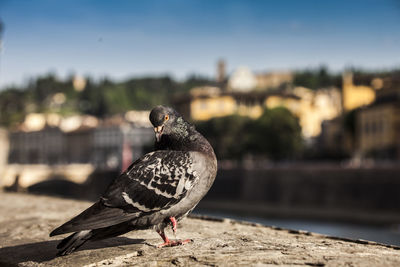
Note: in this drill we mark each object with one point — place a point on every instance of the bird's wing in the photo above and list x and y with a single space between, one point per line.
96 216
156 181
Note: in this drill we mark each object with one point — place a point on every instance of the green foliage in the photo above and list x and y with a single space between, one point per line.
12 106
322 78
227 135
193 81
148 92
316 79
275 135
395 72
92 100
100 99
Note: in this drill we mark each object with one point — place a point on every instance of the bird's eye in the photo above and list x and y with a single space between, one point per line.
166 117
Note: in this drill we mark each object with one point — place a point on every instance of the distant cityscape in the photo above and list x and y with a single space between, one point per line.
359 116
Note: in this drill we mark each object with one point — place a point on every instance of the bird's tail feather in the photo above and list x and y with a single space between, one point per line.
73 242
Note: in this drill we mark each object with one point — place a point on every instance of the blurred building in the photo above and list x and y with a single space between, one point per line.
331 135
221 72
79 144
47 145
314 107
248 94
357 92
311 107
244 80
204 103
49 139
355 96
273 80
335 141
4 144
78 139
371 130
378 124
109 142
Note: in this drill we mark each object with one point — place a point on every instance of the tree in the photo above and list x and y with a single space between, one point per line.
92 100
276 134
227 135
316 78
12 106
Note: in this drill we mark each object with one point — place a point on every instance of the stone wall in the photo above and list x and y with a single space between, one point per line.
371 194
26 220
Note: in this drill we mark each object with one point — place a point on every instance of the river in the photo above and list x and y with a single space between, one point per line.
389 234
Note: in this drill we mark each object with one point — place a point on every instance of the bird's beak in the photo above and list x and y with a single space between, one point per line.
158 131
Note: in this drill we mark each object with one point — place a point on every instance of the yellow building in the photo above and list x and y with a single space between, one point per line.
247 94
316 107
311 107
208 102
378 125
272 80
5 145
379 129
355 96
204 103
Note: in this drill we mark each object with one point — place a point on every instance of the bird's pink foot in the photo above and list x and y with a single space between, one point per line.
173 243
174 224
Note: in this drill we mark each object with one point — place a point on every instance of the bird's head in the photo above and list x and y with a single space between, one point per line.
167 121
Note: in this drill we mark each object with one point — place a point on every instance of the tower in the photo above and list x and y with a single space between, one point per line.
220 71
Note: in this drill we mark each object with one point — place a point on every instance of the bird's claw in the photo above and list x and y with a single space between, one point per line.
174 243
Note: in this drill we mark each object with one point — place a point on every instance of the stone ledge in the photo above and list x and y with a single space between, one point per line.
26 220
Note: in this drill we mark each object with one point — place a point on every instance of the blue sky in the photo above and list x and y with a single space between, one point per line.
120 39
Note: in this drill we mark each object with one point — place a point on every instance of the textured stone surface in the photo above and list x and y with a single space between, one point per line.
26 220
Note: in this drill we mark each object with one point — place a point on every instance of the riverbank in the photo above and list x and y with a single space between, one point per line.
320 192
26 220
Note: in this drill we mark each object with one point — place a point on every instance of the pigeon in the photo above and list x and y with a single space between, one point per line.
156 191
